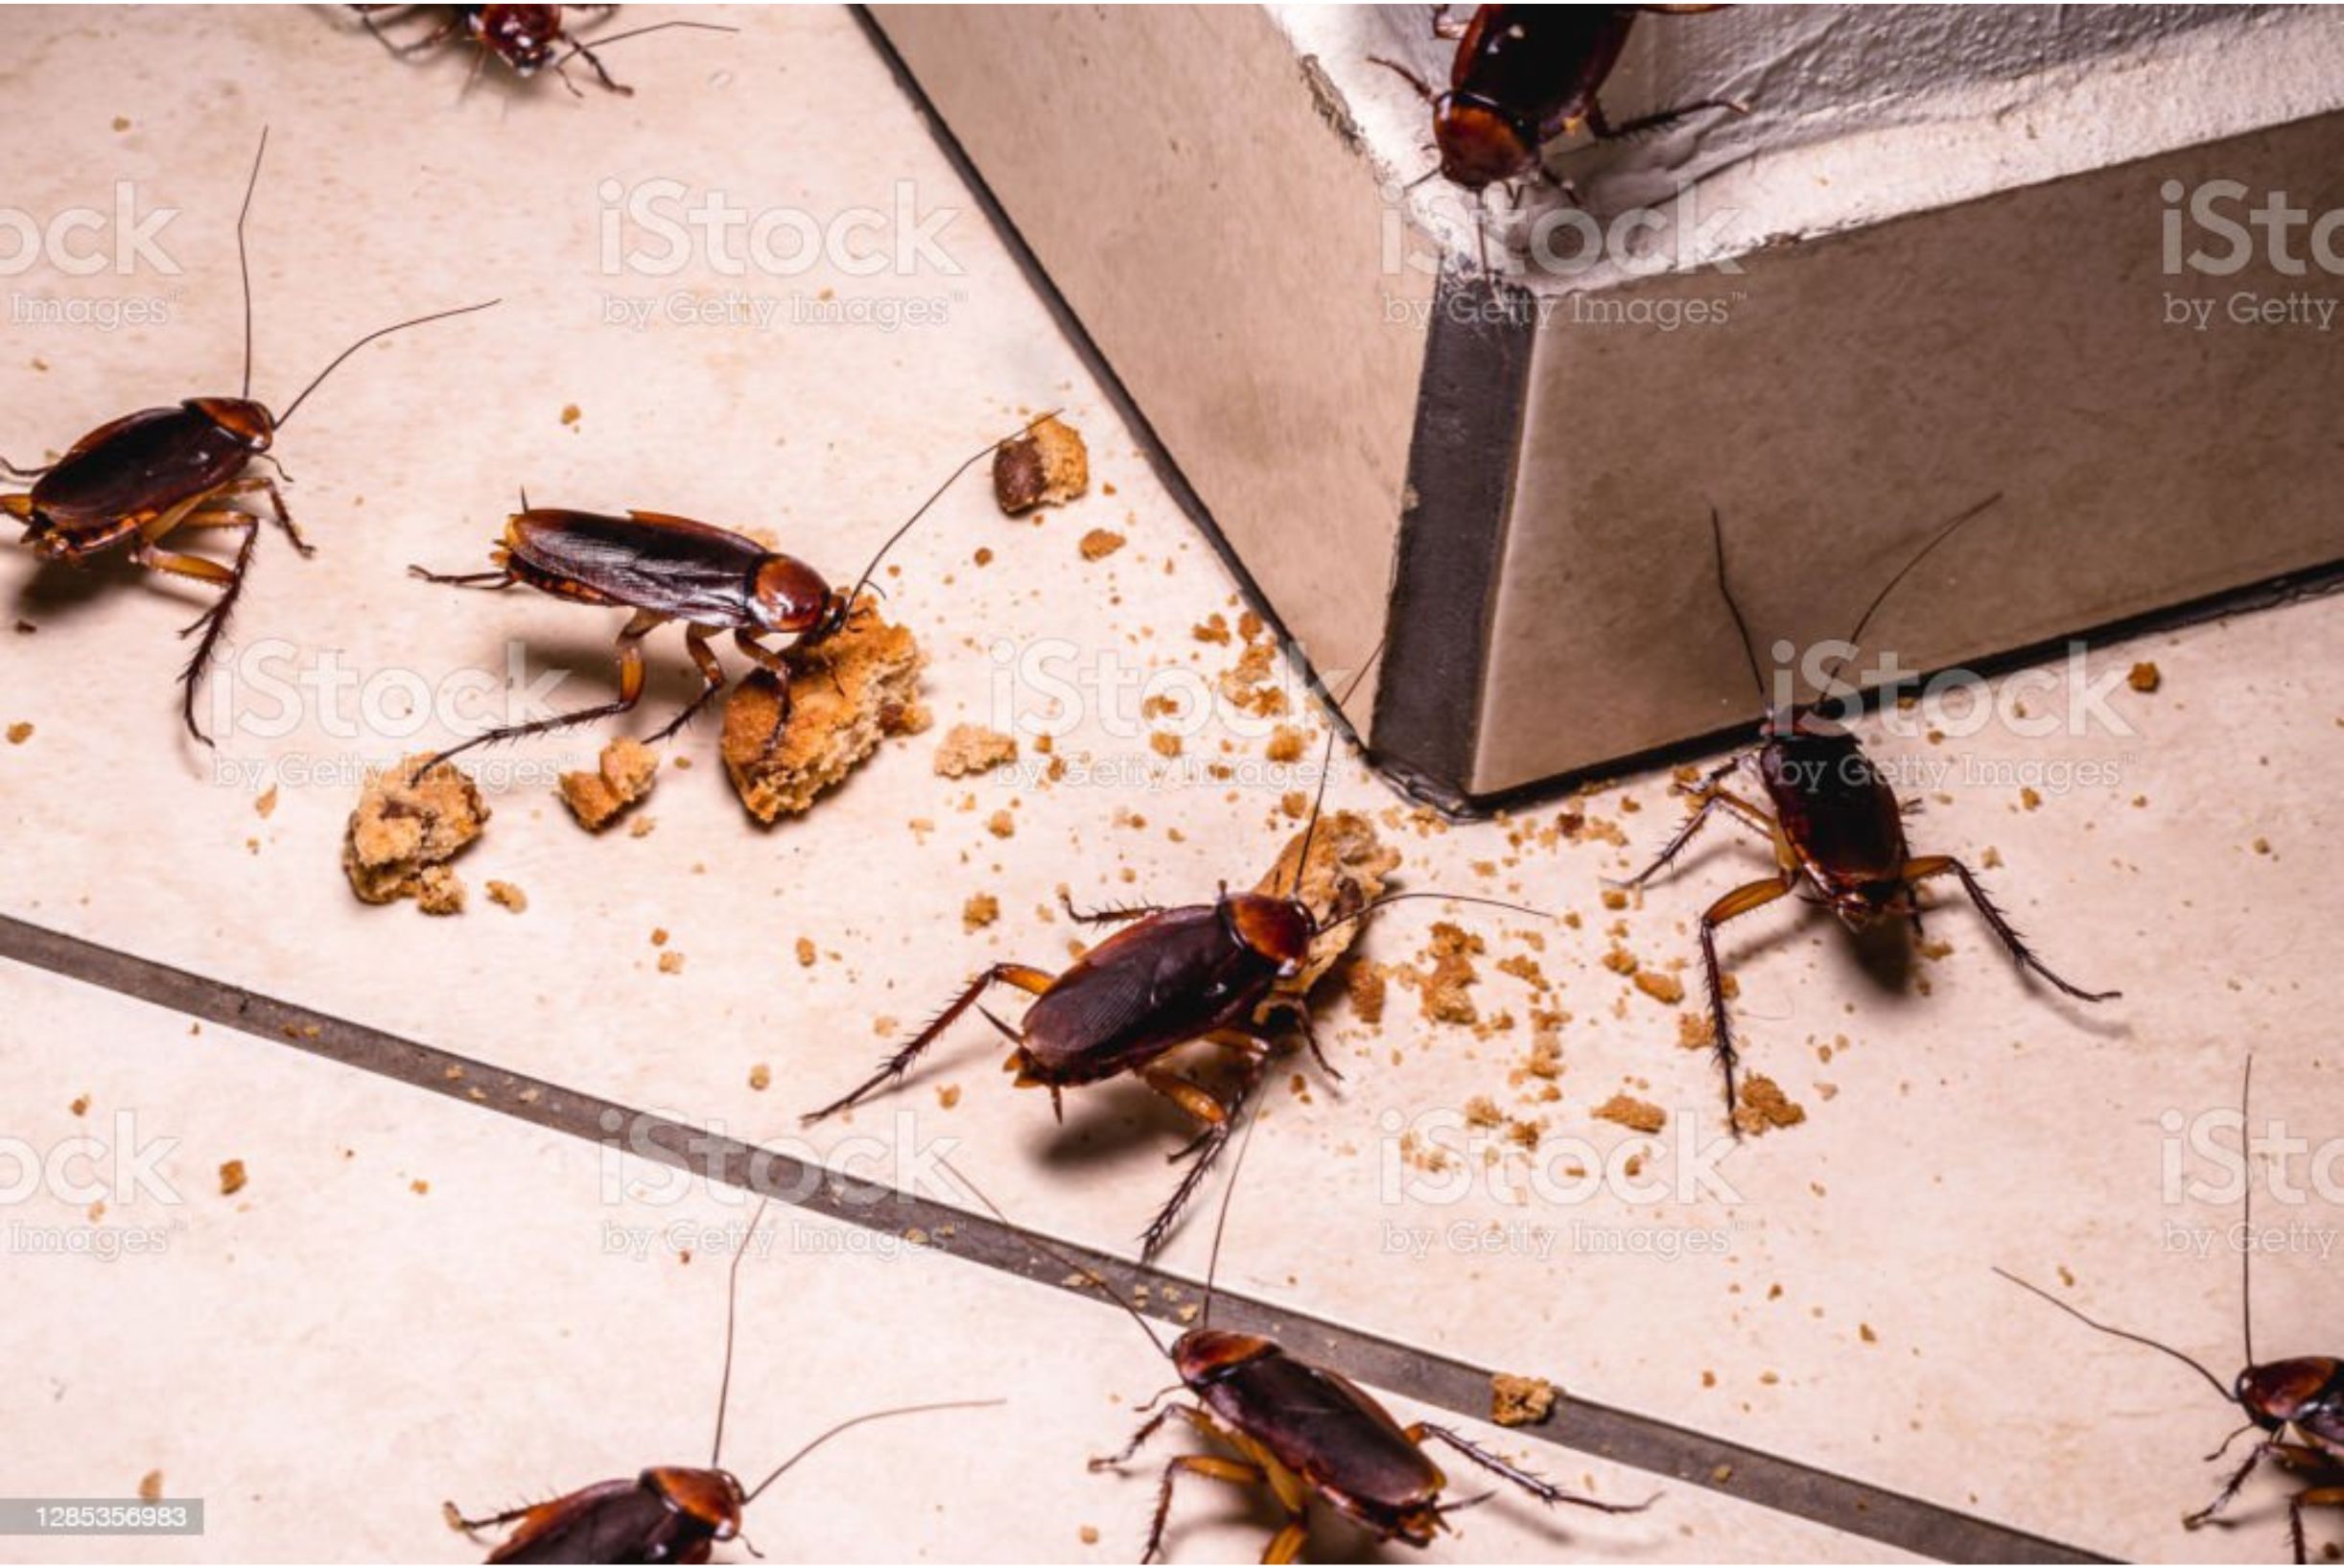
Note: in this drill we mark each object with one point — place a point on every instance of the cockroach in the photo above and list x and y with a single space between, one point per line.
2306 1392
133 481
1300 1431
525 38
1837 826
1173 976
669 1513
1525 76
665 568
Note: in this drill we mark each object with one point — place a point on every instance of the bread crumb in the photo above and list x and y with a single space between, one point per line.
971 748
1045 465
625 773
507 894
846 693
19 733
403 831
671 963
570 413
1285 744
1002 824
149 1484
1349 864
1100 542
1763 1106
419 1187
266 802
806 952
231 1178
1519 1401
1666 989
949 1096
1368 990
980 910
2145 676
2029 797
760 1077
1090 1534
79 1105
1637 1115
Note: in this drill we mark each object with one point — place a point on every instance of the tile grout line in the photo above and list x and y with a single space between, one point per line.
1425 1377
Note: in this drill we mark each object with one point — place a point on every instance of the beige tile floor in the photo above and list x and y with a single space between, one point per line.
1848 1319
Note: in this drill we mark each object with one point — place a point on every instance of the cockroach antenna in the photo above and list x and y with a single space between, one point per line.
1059 1255
2186 1359
374 336
732 1310
851 1423
1733 607
244 259
1326 762
1220 1223
1452 898
1943 533
587 46
2246 1211
846 603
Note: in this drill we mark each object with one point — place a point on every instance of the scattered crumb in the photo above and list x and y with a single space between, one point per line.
760 1077
1519 1401
1637 1115
149 1484
671 963
1100 542
1045 465
1285 744
419 1187
1765 1106
266 802
403 832
846 693
1665 989
507 894
949 1096
79 1105
1090 1534
1367 989
625 772
569 414
2029 797
971 748
980 910
19 733
806 952
231 1178
2145 676
1002 824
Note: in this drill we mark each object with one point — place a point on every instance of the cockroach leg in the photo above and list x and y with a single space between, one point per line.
2231 1487
2320 1497
1422 87
1140 1439
490 581
1023 976
1210 1466
472 1526
1218 1118
1310 1038
14 472
1740 902
1710 797
445 32
1944 865
641 624
1539 1486
1604 130
1106 915
711 680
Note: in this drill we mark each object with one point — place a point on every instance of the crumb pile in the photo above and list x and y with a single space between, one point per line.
846 693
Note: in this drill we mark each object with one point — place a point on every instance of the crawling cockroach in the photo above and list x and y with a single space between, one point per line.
667 569
1526 75
137 479
1173 976
1302 1431
2306 1392
1837 826
525 38
668 1513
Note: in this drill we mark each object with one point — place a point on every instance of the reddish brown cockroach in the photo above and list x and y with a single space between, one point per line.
1837 826
667 569
1173 976
139 479
525 38
1298 1429
1526 75
668 1513
2303 1392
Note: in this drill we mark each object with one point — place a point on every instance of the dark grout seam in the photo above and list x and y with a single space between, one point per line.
1422 1377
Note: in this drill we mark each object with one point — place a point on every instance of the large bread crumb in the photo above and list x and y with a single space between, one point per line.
625 772
1046 465
1519 1401
846 693
405 830
971 748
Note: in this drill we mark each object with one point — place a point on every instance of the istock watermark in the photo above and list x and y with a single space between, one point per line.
2211 1157
663 228
1447 1156
120 1171
89 242
2221 228
654 1157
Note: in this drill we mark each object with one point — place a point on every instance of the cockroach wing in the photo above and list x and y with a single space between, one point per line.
138 466
615 1521
670 565
1158 983
1331 1432
1836 806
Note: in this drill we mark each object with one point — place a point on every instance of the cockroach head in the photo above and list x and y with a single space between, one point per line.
522 36
1278 929
2284 1390
1479 144
712 1498
248 421
1204 1356
792 596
